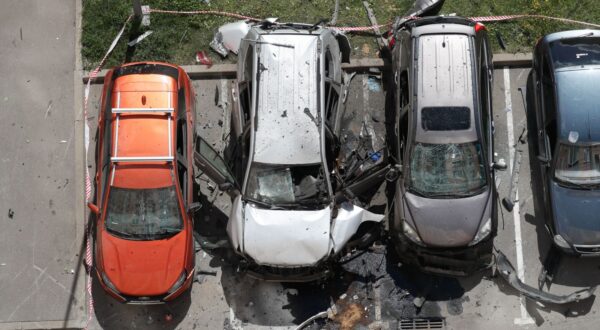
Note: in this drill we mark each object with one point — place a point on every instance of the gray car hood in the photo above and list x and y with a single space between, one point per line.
447 222
576 214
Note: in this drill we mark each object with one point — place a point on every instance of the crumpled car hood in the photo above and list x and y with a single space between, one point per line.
296 238
143 268
446 222
286 237
576 214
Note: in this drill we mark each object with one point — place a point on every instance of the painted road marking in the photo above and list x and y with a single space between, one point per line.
525 318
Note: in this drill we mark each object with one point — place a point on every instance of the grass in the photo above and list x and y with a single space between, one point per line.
177 38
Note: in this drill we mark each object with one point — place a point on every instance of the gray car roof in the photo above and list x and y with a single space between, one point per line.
287 131
445 79
578 107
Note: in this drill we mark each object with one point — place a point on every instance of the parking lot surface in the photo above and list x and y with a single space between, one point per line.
41 201
371 289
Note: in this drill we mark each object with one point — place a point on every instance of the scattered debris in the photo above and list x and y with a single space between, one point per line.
509 274
380 40
228 37
139 38
202 58
374 84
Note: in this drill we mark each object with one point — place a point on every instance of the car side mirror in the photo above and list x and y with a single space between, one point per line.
226 186
393 174
94 208
343 196
500 165
544 160
194 207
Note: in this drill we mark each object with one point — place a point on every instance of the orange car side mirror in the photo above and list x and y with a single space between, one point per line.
94 208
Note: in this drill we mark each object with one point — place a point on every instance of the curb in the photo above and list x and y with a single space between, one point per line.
512 60
361 64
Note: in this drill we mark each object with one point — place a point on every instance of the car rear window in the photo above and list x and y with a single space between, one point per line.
575 52
445 118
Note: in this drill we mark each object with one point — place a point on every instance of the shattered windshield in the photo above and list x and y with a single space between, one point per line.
143 214
447 169
578 164
287 185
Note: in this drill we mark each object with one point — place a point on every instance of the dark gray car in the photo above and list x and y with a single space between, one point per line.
565 76
444 206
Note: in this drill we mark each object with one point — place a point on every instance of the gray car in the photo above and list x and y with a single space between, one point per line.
293 210
445 202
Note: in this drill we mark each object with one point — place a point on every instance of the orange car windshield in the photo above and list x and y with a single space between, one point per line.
143 214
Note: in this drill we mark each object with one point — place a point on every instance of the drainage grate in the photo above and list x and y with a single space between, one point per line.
425 323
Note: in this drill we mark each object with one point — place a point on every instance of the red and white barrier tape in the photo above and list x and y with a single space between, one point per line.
205 12
512 17
88 182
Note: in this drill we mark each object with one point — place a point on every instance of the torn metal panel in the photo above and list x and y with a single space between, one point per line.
286 237
347 222
508 272
235 225
425 8
287 117
233 33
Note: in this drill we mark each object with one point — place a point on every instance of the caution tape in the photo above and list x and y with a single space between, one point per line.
205 12
513 17
89 260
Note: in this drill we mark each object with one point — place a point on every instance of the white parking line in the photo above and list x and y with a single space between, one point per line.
525 318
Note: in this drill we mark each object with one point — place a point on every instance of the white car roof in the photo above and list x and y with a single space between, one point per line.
287 107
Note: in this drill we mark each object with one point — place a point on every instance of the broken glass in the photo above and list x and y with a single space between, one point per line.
287 185
143 214
447 169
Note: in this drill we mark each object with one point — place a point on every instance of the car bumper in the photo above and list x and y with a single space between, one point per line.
287 274
147 300
461 261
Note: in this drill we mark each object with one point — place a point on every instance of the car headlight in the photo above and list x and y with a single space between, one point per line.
411 233
178 283
483 232
561 242
109 284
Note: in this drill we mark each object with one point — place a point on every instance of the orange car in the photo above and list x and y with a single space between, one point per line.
144 246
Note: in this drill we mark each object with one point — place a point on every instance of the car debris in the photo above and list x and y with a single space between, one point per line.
203 58
509 202
296 202
508 273
228 37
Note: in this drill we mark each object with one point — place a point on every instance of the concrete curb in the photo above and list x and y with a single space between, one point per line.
229 70
512 60
361 64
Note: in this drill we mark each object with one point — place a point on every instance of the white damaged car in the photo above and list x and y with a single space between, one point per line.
294 206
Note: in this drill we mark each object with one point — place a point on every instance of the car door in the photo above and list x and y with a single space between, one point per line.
214 166
242 90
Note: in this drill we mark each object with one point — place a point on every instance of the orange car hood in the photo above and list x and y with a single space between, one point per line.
143 268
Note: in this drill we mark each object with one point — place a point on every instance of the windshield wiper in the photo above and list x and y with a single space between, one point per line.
120 233
264 204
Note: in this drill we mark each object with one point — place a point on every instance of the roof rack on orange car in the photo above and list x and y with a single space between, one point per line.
118 111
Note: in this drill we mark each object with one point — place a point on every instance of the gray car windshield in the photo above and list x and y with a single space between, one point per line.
143 214
287 185
578 164
447 169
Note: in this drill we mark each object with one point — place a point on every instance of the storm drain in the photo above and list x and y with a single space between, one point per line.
424 323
